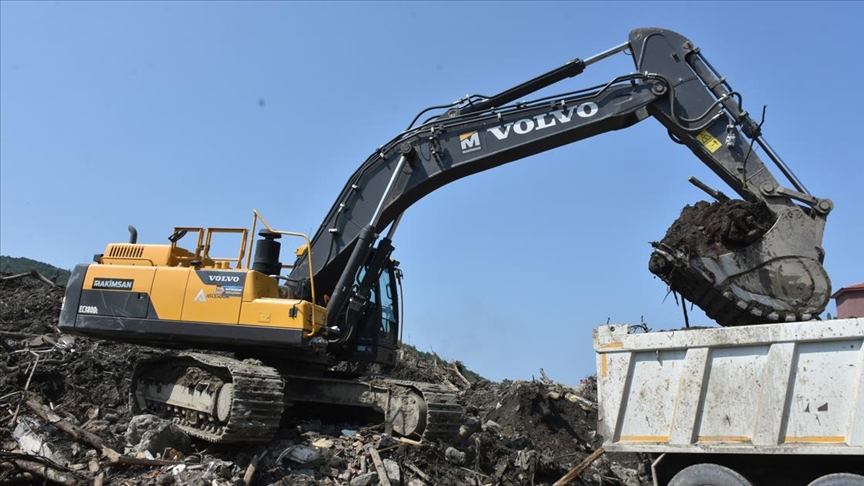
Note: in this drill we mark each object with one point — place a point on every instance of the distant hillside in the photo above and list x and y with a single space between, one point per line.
15 265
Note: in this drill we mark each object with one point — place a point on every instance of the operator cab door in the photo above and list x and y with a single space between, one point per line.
378 333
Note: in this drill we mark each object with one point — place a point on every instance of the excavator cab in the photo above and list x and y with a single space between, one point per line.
377 335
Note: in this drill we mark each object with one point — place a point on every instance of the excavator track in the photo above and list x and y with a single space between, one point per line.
441 414
224 400
218 399
411 409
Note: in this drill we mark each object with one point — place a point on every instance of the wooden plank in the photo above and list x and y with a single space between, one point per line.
577 470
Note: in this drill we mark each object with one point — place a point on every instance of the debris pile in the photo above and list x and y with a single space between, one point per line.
712 229
65 419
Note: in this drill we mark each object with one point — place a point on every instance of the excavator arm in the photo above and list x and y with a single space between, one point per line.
776 276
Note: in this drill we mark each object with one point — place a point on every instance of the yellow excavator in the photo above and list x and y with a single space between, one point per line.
287 325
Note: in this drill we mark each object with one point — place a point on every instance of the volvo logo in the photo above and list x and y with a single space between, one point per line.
545 120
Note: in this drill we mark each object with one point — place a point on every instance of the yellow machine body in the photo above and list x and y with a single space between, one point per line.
167 294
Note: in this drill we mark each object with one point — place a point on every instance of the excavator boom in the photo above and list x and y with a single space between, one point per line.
778 277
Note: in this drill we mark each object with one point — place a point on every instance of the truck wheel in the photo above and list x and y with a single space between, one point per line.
709 475
839 479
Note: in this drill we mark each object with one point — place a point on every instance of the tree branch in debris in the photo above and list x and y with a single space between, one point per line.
49 416
114 457
546 379
26 387
577 470
18 335
455 367
43 468
379 466
33 273
250 471
419 472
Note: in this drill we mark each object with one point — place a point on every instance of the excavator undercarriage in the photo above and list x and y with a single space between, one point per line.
222 400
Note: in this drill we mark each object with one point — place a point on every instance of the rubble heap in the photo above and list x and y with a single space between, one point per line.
65 419
712 229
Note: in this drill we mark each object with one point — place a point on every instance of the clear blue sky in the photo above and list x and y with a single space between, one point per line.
162 113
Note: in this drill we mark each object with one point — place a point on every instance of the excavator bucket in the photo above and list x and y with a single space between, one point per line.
741 264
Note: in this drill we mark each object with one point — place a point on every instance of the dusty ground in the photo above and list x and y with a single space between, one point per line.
515 433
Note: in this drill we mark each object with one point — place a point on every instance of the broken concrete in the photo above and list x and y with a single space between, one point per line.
155 435
365 479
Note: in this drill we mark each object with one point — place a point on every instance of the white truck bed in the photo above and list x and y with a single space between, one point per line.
792 388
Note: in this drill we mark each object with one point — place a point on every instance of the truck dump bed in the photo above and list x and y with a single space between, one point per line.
793 388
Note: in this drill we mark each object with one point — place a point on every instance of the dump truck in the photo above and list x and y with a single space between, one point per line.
772 404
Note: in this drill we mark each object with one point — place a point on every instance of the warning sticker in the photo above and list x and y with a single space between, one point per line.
708 140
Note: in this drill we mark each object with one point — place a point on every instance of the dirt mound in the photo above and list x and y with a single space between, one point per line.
66 415
29 305
86 379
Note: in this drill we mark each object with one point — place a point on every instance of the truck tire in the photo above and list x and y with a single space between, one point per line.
709 475
839 479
